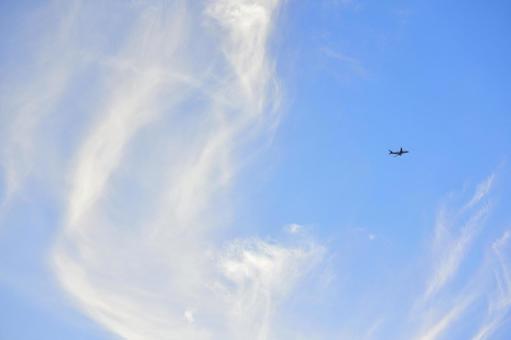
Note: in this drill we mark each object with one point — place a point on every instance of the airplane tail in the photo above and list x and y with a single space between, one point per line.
390 152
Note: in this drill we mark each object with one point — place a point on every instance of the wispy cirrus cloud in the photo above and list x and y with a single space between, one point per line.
29 94
499 306
355 64
168 267
452 288
449 286
454 237
182 90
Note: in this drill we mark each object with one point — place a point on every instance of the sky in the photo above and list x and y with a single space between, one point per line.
219 169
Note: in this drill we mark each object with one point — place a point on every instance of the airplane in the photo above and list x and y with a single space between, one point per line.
401 152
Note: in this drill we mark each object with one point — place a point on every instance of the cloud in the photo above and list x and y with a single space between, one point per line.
188 315
500 303
452 240
355 64
293 228
489 286
482 191
161 104
442 324
257 269
449 294
30 94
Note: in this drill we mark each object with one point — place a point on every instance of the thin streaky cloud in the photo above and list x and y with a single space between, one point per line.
441 325
500 301
455 253
441 306
30 99
166 280
482 191
354 63
451 242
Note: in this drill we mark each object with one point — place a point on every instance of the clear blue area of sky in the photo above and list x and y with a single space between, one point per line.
437 81
431 76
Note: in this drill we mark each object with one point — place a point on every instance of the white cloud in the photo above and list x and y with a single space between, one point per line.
257 269
500 303
452 241
355 64
29 96
166 98
442 305
482 191
294 228
188 315
440 325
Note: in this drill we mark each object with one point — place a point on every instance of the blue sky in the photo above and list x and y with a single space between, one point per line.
219 170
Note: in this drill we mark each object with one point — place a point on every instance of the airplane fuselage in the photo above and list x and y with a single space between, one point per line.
401 152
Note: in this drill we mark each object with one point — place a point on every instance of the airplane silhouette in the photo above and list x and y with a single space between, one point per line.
398 153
